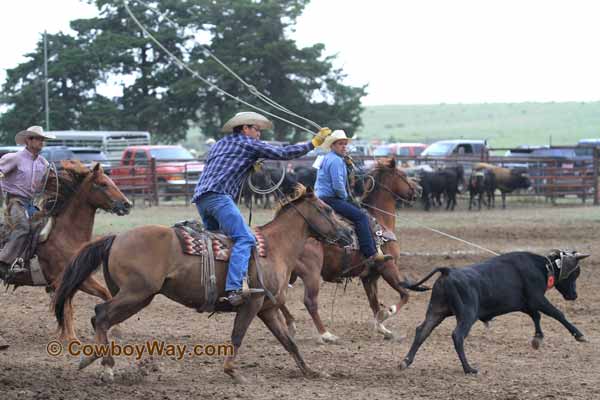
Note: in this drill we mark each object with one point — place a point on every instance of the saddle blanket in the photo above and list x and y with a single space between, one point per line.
192 237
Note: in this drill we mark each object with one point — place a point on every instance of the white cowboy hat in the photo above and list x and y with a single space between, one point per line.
334 137
32 131
247 118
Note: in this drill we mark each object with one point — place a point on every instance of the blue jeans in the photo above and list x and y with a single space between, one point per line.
360 220
219 212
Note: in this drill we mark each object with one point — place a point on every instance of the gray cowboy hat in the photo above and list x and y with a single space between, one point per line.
32 131
247 118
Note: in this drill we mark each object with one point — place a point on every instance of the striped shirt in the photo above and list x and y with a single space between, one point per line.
23 173
231 158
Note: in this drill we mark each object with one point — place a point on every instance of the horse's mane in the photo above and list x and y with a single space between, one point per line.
376 173
62 185
299 193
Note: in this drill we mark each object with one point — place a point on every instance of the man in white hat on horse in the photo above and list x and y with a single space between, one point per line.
21 176
227 165
331 187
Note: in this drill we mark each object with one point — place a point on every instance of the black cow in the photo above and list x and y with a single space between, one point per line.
306 176
445 181
481 183
510 282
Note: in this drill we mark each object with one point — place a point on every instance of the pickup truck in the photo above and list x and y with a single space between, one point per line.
177 171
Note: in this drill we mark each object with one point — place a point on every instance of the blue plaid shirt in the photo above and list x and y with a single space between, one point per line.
231 158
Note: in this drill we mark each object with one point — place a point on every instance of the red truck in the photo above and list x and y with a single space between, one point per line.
176 170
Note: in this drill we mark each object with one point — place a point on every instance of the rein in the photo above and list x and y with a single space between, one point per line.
53 168
310 225
384 187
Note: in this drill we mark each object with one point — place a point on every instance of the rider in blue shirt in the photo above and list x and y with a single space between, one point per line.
331 185
227 165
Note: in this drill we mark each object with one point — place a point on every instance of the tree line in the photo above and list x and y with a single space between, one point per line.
251 37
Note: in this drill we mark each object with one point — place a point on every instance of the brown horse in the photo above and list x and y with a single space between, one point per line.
71 198
148 260
385 186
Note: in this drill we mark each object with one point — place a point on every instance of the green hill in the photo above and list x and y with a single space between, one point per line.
503 124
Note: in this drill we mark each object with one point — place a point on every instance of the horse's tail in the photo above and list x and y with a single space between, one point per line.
86 261
417 286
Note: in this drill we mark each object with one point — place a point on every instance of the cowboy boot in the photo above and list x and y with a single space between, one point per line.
378 259
14 274
238 297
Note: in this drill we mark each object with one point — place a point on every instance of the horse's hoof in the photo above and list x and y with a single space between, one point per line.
237 377
86 361
107 376
68 339
397 338
328 338
581 339
390 336
403 365
116 332
382 315
310 374
536 342
471 370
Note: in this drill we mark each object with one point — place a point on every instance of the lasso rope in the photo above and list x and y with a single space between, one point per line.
195 74
268 190
433 230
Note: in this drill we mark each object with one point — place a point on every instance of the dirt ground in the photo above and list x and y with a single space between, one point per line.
363 364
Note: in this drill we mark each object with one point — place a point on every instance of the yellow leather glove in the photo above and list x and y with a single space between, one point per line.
321 136
257 167
1 175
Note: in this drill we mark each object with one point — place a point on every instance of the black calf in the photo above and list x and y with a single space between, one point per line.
481 183
446 181
510 282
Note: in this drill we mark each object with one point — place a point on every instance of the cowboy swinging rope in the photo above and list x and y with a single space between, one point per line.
263 97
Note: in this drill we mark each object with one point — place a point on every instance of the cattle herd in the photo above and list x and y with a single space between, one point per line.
440 186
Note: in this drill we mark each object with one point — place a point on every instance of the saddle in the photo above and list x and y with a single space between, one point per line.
39 232
380 234
211 246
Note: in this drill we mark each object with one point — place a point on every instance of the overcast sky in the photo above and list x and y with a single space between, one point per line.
412 52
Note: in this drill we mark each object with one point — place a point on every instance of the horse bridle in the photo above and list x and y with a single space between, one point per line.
104 191
320 236
384 187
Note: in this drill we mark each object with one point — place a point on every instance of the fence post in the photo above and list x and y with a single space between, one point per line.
185 185
596 166
154 180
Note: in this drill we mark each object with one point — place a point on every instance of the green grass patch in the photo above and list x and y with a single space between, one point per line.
502 124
